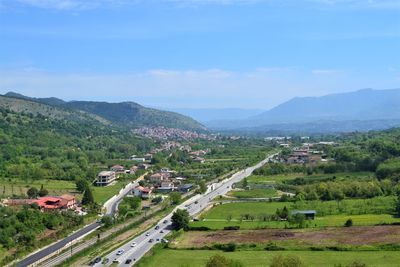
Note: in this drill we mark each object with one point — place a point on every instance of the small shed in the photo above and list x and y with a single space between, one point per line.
309 214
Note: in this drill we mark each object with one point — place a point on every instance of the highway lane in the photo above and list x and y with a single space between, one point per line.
44 253
144 242
111 208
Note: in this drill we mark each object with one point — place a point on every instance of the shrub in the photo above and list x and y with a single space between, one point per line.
235 227
348 223
288 261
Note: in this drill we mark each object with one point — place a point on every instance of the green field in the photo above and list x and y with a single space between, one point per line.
332 220
56 188
198 258
254 193
19 187
373 211
102 193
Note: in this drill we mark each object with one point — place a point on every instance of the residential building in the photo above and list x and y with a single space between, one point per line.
166 187
142 192
105 178
117 169
186 188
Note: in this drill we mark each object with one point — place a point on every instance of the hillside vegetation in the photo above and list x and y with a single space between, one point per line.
125 114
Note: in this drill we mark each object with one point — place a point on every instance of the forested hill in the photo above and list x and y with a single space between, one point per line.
127 114
52 147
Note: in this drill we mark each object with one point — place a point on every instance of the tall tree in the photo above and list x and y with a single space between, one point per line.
180 220
87 197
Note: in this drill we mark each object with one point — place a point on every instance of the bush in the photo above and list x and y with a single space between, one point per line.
199 228
273 247
348 223
235 227
230 247
288 261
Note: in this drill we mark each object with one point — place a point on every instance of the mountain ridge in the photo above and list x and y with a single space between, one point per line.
127 114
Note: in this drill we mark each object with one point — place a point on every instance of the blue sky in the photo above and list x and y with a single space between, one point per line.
198 53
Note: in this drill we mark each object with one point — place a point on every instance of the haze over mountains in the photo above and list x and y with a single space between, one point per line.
361 110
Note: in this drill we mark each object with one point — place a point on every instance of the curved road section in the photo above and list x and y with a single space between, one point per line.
130 253
111 207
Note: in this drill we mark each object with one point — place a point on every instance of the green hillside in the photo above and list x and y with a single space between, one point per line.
126 114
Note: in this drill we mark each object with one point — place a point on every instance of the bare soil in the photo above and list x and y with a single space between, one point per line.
366 235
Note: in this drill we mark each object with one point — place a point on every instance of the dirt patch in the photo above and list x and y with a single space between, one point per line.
368 235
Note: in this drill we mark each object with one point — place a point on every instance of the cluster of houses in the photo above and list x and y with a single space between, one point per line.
163 181
307 154
47 203
105 178
165 133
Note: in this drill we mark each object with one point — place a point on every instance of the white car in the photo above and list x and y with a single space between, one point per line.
133 244
147 234
120 252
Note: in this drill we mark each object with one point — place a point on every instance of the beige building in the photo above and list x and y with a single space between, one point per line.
105 178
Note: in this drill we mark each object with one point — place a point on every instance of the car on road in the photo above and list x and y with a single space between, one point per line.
133 244
158 239
105 261
151 240
157 227
196 202
165 221
120 252
147 234
97 260
161 232
116 261
128 261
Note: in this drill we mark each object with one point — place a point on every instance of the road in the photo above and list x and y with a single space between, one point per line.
110 207
135 250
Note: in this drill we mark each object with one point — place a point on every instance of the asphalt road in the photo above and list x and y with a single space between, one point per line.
136 249
57 246
111 208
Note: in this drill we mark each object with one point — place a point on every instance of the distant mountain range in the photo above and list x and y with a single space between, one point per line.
125 114
208 115
361 110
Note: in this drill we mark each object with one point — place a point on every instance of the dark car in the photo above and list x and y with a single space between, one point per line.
151 240
165 221
128 261
106 260
157 227
97 260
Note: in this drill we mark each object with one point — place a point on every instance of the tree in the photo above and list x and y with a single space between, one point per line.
288 261
180 220
81 185
32 192
157 200
107 220
298 219
176 198
245 183
87 197
217 261
398 205
348 223
43 192
202 187
221 261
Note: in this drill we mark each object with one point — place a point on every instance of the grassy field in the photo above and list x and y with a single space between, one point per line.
254 193
198 258
102 193
19 187
271 179
332 220
56 188
329 213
